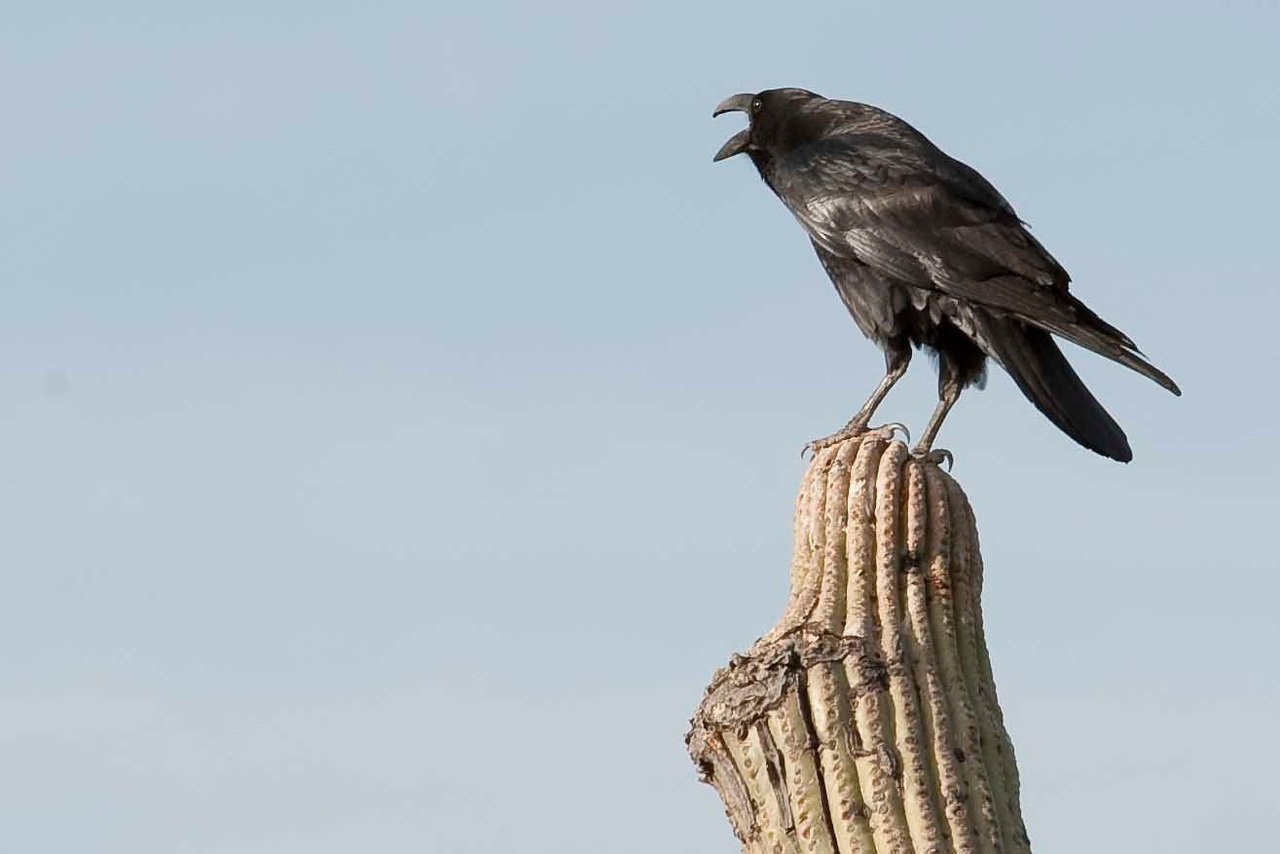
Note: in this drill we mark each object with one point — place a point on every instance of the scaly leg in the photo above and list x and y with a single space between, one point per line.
896 360
949 387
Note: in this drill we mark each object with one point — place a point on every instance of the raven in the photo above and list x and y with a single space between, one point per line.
924 251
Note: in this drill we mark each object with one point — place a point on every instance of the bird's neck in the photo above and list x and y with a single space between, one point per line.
764 164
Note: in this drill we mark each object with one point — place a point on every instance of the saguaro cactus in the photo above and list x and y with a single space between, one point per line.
866 720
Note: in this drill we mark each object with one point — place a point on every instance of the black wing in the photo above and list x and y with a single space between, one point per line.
923 219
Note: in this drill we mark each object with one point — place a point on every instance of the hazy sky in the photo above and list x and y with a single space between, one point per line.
402 413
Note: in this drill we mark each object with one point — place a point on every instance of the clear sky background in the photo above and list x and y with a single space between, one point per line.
402 413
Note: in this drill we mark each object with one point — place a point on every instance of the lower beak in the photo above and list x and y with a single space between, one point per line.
735 145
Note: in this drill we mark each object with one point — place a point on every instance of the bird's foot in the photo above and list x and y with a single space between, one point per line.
933 455
848 431
852 429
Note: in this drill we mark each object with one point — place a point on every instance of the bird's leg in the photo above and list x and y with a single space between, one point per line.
896 360
949 386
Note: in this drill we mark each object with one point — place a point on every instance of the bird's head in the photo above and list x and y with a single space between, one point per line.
778 121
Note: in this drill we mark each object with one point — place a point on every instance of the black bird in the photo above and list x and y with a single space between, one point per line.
924 251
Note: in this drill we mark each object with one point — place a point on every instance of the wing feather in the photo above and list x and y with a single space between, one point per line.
923 219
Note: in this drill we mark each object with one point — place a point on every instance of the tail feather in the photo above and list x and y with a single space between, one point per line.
1044 375
1094 333
1061 314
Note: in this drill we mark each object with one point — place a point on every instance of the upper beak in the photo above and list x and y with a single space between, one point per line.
738 142
741 103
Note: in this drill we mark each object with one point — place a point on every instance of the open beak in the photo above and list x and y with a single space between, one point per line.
738 142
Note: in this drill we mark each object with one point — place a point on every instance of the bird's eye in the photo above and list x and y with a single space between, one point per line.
757 105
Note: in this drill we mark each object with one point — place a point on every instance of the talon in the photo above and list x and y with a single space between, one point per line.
935 456
811 450
893 427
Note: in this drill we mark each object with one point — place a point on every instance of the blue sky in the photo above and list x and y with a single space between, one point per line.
403 413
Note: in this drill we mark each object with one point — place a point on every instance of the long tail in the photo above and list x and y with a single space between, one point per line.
1008 297
1094 333
1036 364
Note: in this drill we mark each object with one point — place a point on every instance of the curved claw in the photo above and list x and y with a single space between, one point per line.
888 430
935 456
815 446
812 448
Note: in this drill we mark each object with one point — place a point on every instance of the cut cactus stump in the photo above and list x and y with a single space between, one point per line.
866 720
